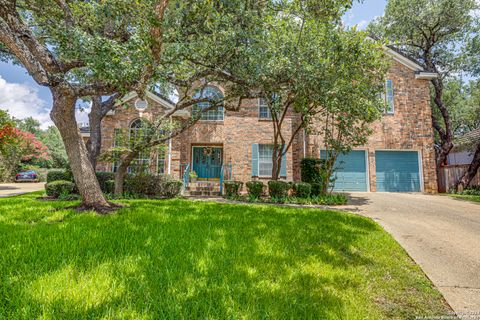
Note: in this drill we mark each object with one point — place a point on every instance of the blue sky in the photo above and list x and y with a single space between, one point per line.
22 97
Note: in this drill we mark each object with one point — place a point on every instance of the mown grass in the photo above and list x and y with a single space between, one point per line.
181 259
466 197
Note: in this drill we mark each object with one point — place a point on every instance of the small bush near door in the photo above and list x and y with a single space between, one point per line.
233 188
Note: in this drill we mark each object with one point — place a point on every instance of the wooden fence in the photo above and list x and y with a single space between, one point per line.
448 175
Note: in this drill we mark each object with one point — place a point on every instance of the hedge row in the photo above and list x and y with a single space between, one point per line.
136 185
276 189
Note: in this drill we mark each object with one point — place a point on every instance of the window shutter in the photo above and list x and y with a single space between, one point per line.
283 166
254 160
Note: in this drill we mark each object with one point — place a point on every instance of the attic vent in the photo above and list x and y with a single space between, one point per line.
141 105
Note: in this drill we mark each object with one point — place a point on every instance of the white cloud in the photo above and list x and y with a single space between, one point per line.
22 101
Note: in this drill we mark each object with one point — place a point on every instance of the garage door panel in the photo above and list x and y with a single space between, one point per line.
350 171
397 171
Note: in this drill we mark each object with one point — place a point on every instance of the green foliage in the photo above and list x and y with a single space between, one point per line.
255 189
56 149
312 170
29 124
59 188
169 188
256 258
56 175
103 179
317 189
331 199
471 191
232 188
147 185
278 189
302 190
109 186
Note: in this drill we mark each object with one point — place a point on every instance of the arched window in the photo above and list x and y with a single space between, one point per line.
214 94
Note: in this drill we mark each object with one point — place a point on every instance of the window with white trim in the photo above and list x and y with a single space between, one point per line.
389 97
263 109
265 163
161 161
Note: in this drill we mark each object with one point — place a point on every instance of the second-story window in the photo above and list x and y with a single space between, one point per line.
389 97
213 113
263 109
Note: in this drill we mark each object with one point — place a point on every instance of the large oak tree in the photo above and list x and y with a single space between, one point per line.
82 49
432 32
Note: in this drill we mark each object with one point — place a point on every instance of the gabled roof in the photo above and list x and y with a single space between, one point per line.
163 101
168 104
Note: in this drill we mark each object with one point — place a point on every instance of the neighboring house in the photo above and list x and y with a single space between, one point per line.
464 148
399 156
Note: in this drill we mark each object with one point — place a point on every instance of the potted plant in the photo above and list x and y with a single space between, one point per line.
193 176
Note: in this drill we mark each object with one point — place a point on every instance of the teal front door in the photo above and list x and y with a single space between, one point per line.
207 162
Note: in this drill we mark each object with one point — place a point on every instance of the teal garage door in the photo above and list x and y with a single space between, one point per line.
397 171
350 171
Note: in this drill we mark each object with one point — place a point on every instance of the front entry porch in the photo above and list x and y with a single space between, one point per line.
207 162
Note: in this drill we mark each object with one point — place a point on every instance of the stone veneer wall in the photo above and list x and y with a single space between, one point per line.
409 128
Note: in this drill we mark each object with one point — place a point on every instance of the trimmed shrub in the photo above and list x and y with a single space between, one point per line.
255 189
140 184
302 189
317 189
59 175
232 188
59 188
278 189
102 178
148 185
312 170
171 188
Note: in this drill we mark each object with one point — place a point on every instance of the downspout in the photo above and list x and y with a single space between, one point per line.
169 170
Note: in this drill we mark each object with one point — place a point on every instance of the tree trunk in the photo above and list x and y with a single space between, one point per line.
95 120
472 170
63 115
122 172
276 162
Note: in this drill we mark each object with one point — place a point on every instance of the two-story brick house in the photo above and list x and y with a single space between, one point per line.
399 156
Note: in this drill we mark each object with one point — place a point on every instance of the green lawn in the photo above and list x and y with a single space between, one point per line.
466 197
181 259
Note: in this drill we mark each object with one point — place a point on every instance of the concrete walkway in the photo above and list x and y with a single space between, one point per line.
13 189
440 233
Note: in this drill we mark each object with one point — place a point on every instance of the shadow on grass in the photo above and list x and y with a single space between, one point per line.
180 259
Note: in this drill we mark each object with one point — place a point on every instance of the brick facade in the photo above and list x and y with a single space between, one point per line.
409 128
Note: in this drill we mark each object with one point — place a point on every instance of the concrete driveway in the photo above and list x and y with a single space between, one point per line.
13 189
440 233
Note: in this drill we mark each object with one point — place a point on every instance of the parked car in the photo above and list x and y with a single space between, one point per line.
28 175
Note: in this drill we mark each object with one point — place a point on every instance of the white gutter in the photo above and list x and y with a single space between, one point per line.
426 75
